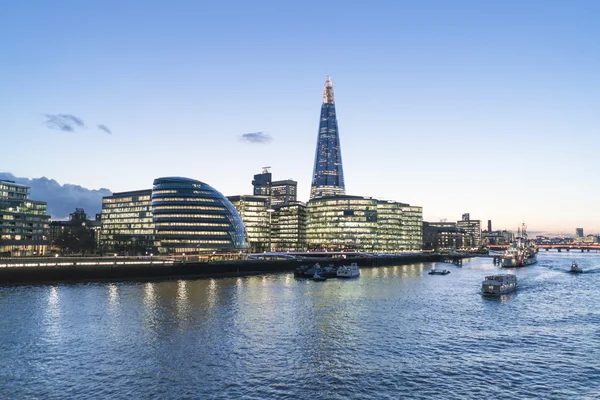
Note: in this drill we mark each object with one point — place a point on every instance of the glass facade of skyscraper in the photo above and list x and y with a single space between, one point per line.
253 211
289 227
127 226
363 224
328 174
24 224
192 217
342 223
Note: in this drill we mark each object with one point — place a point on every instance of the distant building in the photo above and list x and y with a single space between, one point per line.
77 235
24 227
283 192
262 183
579 232
471 227
278 192
496 237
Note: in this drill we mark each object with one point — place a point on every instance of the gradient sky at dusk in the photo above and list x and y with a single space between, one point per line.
490 108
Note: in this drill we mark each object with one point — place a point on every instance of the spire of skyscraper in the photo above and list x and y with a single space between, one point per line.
328 174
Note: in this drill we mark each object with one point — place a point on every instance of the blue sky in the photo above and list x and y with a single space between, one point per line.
483 107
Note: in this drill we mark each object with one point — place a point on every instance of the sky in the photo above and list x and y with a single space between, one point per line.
484 107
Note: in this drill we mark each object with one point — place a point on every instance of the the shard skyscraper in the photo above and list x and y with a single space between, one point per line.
328 174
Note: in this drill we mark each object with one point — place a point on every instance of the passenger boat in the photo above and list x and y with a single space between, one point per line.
348 271
522 251
499 284
575 269
439 272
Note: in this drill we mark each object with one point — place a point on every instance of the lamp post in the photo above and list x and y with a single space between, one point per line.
270 211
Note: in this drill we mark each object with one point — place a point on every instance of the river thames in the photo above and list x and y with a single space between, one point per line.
395 332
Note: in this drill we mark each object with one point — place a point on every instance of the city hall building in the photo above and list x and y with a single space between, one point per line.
177 216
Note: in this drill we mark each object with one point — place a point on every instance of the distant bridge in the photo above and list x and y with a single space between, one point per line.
559 247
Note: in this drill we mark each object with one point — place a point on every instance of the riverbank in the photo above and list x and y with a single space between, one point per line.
48 271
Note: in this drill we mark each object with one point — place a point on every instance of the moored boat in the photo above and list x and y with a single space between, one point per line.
499 284
522 251
348 271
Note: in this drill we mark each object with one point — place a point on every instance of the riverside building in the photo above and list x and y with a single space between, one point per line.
472 227
289 227
24 223
192 217
363 224
177 216
255 214
127 225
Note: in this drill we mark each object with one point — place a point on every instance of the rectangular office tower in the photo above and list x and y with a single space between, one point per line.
127 224
472 227
24 224
278 192
257 217
289 227
363 224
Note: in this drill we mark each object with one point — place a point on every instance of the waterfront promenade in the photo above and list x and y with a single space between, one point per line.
81 269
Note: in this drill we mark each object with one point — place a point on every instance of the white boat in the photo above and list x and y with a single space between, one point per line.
348 271
575 268
499 284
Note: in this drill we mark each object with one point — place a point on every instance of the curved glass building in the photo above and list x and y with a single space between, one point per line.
192 217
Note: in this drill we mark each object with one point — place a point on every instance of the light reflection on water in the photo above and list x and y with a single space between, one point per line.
395 330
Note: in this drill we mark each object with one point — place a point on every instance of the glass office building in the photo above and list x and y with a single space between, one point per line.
24 224
328 174
289 227
192 217
412 227
256 219
363 224
342 223
127 226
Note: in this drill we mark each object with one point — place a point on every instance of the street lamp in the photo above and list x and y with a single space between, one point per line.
270 211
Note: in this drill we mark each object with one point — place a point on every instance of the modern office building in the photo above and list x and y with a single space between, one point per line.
127 225
342 223
579 232
192 217
262 183
328 174
278 192
178 215
412 227
254 213
283 192
363 224
24 226
289 222
472 227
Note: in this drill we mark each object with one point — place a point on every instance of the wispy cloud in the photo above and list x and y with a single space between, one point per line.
256 137
64 122
105 129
